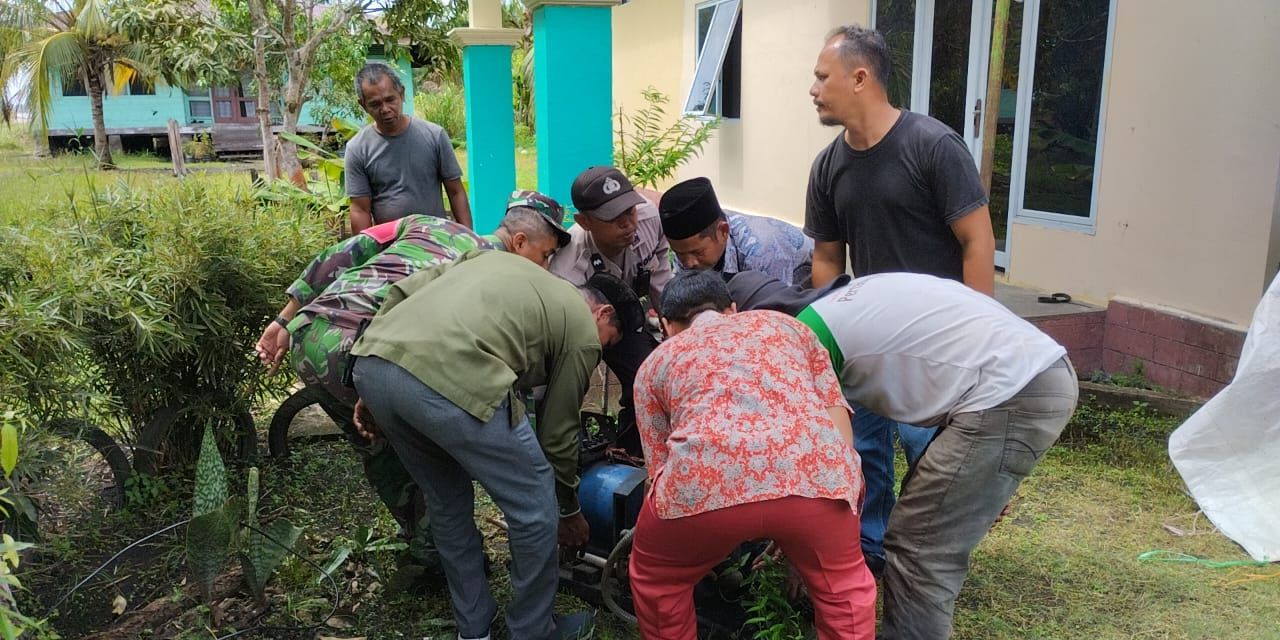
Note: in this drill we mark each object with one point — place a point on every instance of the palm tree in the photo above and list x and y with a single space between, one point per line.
46 41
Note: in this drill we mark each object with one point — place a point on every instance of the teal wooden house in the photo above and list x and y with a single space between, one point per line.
137 117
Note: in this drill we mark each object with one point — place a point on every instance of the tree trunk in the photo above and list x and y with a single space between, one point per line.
290 166
995 82
260 28
101 146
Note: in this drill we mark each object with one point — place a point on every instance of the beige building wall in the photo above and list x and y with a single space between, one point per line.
648 43
1191 152
1189 182
759 163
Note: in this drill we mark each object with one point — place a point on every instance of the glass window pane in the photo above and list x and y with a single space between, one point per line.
248 109
896 21
711 58
222 92
224 109
705 13
197 91
201 109
140 87
1066 106
949 75
704 25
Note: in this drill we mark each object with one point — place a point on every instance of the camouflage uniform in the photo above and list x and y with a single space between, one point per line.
340 291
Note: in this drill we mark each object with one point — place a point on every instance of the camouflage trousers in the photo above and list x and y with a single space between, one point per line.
320 355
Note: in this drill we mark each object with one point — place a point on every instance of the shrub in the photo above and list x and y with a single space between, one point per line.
325 194
199 148
41 351
648 150
525 137
444 106
139 310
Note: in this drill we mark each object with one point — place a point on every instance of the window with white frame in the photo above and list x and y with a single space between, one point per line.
716 89
1060 111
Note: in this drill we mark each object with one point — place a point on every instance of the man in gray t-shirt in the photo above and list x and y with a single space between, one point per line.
396 166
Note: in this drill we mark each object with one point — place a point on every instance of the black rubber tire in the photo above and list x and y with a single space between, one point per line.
146 458
282 420
246 444
116 457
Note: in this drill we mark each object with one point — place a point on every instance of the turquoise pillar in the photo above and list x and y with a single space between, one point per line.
491 142
573 90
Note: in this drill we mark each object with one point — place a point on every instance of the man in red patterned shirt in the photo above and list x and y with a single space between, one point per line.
747 436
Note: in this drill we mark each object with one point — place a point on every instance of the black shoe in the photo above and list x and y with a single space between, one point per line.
876 564
575 626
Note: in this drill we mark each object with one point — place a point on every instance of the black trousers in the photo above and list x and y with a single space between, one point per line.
624 360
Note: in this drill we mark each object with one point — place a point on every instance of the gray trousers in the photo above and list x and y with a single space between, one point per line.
444 448
956 492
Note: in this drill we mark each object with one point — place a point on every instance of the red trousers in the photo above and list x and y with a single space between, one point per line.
818 536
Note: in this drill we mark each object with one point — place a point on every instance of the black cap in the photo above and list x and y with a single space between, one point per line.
688 208
752 290
604 193
625 303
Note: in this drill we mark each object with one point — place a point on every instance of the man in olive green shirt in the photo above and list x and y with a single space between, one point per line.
437 371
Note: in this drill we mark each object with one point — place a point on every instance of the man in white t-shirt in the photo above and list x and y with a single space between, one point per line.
923 350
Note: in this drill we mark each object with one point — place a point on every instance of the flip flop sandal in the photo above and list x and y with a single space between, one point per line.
1056 298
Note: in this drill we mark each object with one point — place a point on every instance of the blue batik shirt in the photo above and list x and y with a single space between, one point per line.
768 245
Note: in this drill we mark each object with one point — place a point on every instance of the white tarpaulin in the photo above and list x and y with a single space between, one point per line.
1228 452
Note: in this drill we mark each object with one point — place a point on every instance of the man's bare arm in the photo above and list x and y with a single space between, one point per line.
828 262
458 202
978 244
361 214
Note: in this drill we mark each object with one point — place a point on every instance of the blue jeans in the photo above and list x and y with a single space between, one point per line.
873 437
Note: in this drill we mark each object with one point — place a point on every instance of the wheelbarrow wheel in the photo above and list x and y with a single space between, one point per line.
116 457
278 435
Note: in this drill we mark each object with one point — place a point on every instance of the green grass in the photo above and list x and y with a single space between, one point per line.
526 166
1063 565
32 183
29 184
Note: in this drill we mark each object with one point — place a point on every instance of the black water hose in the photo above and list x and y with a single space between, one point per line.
620 551
337 591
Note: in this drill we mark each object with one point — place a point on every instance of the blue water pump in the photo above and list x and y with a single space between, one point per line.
611 496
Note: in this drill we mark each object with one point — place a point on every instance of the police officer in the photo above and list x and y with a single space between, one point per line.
618 232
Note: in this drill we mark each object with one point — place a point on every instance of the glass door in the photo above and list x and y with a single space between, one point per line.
952 94
941 54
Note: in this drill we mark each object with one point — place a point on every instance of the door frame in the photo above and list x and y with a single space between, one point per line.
975 89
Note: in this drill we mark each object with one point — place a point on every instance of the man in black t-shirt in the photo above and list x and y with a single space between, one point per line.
896 191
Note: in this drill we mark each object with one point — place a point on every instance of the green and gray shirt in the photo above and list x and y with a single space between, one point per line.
489 322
